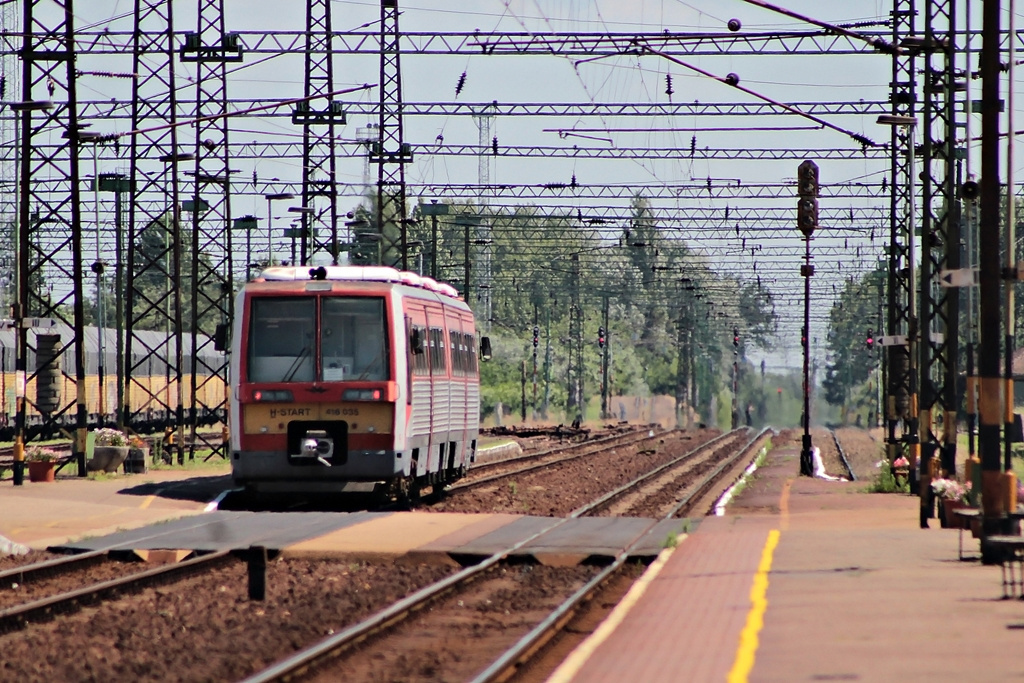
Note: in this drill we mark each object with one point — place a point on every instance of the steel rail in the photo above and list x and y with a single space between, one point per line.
842 454
648 476
45 568
588 448
393 614
558 449
502 668
712 476
19 615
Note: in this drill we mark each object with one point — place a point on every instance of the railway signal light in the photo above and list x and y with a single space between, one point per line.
807 215
600 337
735 337
870 340
803 336
807 179
807 189
536 336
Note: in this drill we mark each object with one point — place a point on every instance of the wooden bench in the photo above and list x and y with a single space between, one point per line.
1011 563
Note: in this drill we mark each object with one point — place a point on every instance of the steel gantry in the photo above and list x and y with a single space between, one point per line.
154 265
319 154
50 229
391 153
940 248
900 434
210 48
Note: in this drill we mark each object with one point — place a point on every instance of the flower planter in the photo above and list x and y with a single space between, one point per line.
137 461
949 508
107 458
42 471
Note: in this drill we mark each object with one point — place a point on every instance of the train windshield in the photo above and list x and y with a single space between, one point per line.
353 345
281 339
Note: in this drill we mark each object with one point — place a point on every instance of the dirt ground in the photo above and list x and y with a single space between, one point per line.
205 627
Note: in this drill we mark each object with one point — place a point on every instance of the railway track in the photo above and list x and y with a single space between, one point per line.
673 488
43 608
485 473
319 661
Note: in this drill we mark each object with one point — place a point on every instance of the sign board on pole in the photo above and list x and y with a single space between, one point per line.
893 340
961 277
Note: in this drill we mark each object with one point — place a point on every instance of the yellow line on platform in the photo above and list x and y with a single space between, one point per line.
145 504
744 662
575 661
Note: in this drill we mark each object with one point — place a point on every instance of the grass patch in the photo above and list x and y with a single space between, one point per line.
886 482
199 463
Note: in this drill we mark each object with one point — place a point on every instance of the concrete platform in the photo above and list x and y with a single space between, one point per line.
807 580
42 515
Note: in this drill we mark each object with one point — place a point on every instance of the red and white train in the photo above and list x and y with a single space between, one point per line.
352 378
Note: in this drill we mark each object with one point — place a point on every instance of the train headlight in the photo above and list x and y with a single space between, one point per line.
362 395
273 395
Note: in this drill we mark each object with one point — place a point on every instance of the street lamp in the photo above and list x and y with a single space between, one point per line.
98 267
467 221
247 223
273 197
908 123
301 232
433 209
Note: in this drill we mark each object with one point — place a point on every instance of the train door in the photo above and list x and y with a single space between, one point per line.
457 399
419 419
439 389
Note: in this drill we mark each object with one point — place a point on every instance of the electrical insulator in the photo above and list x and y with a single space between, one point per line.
600 337
536 336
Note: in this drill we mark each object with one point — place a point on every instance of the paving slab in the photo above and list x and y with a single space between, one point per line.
851 589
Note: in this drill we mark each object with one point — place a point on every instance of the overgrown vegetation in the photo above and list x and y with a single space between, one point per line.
669 322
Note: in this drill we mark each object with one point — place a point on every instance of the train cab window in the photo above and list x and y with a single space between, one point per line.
353 343
281 339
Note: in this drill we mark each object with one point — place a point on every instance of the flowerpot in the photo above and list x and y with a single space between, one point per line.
39 470
137 461
107 458
949 508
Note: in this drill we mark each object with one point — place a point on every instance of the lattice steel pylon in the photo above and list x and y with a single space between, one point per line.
319 177
9 83
210 48
154 254
484 119
940 247
903 88
50 225
576 398
391 152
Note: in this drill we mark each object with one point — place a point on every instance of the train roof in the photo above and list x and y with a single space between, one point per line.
384 274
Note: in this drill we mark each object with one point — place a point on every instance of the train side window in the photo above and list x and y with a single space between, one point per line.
437 350
420 360
472 354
